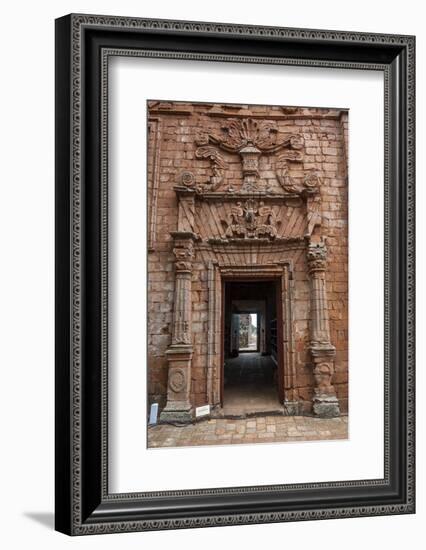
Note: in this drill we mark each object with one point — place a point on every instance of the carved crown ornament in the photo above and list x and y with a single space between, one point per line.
251 220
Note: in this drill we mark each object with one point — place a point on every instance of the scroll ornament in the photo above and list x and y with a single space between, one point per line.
249 138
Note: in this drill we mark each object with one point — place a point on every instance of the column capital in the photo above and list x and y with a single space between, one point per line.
184 252
317 257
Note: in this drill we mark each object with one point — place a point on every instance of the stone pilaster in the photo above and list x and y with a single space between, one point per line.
325 403
250 160
179 354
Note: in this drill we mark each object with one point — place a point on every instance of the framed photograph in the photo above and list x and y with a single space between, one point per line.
234 274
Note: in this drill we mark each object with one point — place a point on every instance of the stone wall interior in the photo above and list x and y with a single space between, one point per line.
247 213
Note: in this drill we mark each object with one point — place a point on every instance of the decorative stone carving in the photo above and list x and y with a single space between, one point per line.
313 214
252 220
244 204
237 134
250 158
309 183
183 252
250 139
177 380
178 407
179 354
311 180
217 163
184 257
322 375
187 179
285 180
325 403
317 257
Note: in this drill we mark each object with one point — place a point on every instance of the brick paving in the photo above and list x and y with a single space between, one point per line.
262 429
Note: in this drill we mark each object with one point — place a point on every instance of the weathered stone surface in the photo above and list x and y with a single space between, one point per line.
293 175
326 407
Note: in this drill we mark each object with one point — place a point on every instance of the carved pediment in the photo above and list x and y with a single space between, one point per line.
283 206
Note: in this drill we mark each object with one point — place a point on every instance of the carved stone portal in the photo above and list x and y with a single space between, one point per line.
228 228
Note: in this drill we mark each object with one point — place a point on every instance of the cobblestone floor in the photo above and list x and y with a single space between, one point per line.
264 429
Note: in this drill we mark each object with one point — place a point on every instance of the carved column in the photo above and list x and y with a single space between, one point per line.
290 375
179 354
325 403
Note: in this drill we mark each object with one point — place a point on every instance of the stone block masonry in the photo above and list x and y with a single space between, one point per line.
256 191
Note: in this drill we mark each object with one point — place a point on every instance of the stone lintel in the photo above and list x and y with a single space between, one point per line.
256 240
335 115
183 190
261 195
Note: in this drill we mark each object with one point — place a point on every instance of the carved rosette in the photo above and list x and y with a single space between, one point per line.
187 179
311 180
177 380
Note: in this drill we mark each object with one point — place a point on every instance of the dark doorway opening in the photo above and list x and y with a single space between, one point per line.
252 362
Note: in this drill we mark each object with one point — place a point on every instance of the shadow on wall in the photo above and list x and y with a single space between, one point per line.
47 519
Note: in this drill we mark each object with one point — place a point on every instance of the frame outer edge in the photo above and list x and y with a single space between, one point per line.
77 22
63 495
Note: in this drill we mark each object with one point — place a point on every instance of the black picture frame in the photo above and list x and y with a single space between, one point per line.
83 504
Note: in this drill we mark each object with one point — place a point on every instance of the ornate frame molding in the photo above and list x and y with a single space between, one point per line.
83 504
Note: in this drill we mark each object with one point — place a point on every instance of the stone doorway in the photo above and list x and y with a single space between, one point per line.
252 375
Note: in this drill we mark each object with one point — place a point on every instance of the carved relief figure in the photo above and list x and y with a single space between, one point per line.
252 220
322 375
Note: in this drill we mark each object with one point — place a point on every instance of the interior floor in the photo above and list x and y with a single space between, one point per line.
250 385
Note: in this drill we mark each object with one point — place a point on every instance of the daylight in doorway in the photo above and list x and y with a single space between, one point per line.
247 274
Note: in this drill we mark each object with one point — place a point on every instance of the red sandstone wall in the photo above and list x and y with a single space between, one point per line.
173 128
